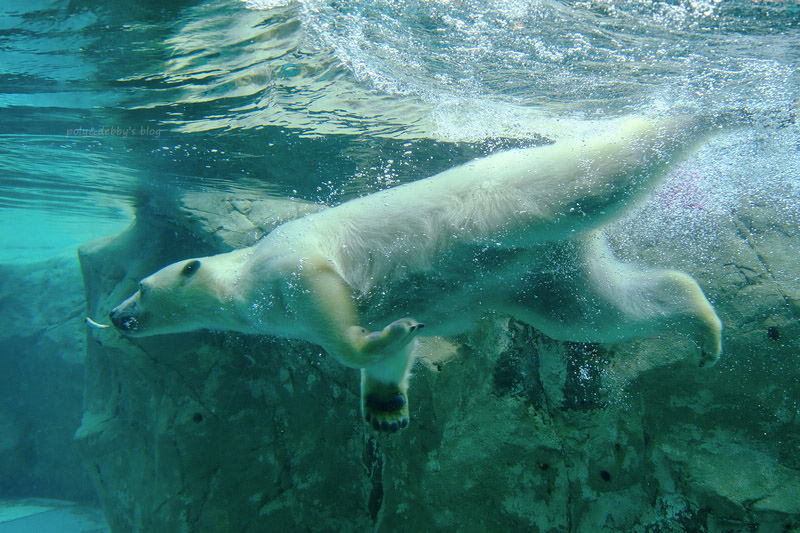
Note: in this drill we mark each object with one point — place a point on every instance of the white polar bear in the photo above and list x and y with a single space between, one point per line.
514 232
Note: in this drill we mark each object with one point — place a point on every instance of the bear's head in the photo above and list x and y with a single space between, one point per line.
183 296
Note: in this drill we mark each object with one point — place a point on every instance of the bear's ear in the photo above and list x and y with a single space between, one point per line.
190 268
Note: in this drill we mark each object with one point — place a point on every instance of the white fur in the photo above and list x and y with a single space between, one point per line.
514 232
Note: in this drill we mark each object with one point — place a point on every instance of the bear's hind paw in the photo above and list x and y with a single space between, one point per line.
710 350
708 359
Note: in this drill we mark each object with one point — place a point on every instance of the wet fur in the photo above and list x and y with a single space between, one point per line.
516 232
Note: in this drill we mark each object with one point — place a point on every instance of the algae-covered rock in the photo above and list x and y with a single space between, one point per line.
510 430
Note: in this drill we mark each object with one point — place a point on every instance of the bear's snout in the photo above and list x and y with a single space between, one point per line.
125 322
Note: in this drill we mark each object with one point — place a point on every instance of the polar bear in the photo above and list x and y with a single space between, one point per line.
515 232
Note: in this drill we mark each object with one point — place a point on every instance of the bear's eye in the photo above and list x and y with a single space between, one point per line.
190 268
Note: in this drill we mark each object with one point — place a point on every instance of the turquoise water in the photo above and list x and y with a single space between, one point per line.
103 103
107 106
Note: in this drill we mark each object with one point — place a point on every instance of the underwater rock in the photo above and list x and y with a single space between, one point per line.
239 221
729 472
509 429
42 348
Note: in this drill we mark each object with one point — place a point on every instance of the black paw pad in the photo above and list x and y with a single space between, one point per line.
393 403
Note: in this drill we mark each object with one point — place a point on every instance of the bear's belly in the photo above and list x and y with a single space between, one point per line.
453 293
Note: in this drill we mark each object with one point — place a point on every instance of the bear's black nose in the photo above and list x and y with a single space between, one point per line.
123 321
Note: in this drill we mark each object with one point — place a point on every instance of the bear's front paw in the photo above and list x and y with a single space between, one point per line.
386 414
393 337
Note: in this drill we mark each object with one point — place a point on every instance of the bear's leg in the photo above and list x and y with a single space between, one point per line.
384 357
330 315
676 303
603 300
384 391
651 302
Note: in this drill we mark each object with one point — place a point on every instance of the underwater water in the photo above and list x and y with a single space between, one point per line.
163 111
